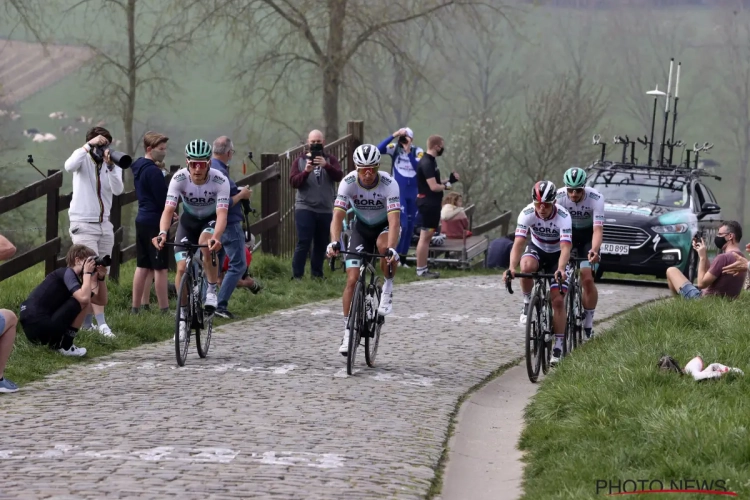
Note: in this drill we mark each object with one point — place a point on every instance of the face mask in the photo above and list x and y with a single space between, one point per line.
158 154
720 241
440 152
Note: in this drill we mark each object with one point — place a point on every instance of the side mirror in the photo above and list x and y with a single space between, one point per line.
709 209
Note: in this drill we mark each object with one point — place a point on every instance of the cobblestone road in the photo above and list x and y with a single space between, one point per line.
270 413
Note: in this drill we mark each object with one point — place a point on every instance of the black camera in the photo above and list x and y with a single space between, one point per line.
316 150
118 157
103 261
403 139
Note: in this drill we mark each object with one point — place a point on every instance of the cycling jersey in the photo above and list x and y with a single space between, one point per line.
370 205
587 213
545 234
200 201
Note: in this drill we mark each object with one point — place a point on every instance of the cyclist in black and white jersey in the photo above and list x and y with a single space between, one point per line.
205 201
548 252
375 200
586 207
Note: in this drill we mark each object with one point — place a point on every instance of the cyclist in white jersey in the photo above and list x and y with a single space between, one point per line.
547 252
205 200
374 196
586 207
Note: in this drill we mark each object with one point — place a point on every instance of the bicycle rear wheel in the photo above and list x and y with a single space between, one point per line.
182 342
203 339
569 344
534 338
547 336
579 314
356 325
372 340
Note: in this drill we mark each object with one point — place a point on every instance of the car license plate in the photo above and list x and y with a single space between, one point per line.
612 248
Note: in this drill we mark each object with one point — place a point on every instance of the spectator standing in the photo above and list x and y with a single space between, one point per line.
314 175
54 311
233 239
712 280
429 200
404 158
8 322
95 181
151 190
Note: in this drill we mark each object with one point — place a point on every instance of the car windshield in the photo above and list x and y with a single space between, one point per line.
623 187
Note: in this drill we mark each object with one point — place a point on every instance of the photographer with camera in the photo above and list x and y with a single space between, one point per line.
55 309
404 159
233 239
314 175
97 176
151 190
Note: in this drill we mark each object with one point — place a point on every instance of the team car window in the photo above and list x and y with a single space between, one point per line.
644 190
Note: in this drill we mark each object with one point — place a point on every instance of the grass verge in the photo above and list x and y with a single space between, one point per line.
30 362
609 415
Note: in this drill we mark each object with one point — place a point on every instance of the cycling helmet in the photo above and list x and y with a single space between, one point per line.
198 150
366 155
574 178
544 192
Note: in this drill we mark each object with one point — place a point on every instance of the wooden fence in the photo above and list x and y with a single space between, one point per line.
277 209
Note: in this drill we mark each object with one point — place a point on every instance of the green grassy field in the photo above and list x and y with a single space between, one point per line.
31 362
608 414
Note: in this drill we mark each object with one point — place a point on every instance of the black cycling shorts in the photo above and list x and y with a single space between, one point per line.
189 230
582 244
548 262
364 238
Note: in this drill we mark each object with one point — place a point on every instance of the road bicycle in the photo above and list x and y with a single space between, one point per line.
197 320
573 304
364 320
539 334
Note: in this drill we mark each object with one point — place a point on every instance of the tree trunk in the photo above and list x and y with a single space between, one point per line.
742 181
132 82
331 91
333 68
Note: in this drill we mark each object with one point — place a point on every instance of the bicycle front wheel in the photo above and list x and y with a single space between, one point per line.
183 324
534 338
372 340
569 343
203 339
356 325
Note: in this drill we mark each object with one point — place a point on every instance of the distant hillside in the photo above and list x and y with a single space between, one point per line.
26 68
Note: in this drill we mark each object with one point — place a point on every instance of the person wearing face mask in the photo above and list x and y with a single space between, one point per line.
712 279
54 311
430 199
151 190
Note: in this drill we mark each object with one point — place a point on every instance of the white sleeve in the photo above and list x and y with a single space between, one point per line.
599 211
342 197
222 194
566 226
393 194
175 186
524 222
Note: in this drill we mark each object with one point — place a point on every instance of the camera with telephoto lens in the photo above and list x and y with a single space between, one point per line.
103 261
119 158
316 150
403 139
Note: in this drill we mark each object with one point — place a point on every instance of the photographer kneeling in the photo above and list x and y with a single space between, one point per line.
55 309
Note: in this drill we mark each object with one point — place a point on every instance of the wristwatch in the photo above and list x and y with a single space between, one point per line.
447 185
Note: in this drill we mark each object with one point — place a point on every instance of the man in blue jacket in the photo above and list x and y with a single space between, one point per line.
404 159
233 239
151 190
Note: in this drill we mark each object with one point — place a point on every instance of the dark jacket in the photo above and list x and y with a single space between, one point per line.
235 214
316 190
151 190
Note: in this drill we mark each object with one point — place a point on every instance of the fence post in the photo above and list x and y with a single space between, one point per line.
270 200
53 226
357 131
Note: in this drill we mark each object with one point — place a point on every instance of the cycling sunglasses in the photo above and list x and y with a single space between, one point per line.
541 204
200 164
370 170
575 190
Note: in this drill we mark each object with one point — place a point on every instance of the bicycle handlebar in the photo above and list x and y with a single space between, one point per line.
190 247
332 260
509 278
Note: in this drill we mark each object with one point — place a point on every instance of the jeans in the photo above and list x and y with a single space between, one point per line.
408 218
312 228
233 241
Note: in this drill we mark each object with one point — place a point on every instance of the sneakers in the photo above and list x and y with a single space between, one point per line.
556 355
7 386
256 288
428 275
211 300
73 351
183 331
344 347
589 333
105 330
223 313
524 313
386 304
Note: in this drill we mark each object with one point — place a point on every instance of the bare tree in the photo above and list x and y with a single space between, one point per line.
287 41
733 93
28 14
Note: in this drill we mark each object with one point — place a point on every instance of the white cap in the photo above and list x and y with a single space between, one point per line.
409 133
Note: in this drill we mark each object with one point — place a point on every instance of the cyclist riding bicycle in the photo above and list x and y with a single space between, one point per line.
548 252
374 196
586 207
205 199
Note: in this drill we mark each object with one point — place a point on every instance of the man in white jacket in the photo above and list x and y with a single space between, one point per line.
95 181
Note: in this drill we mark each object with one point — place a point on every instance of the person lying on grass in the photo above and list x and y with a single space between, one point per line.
713 280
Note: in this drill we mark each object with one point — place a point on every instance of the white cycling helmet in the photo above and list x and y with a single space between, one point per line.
366 155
